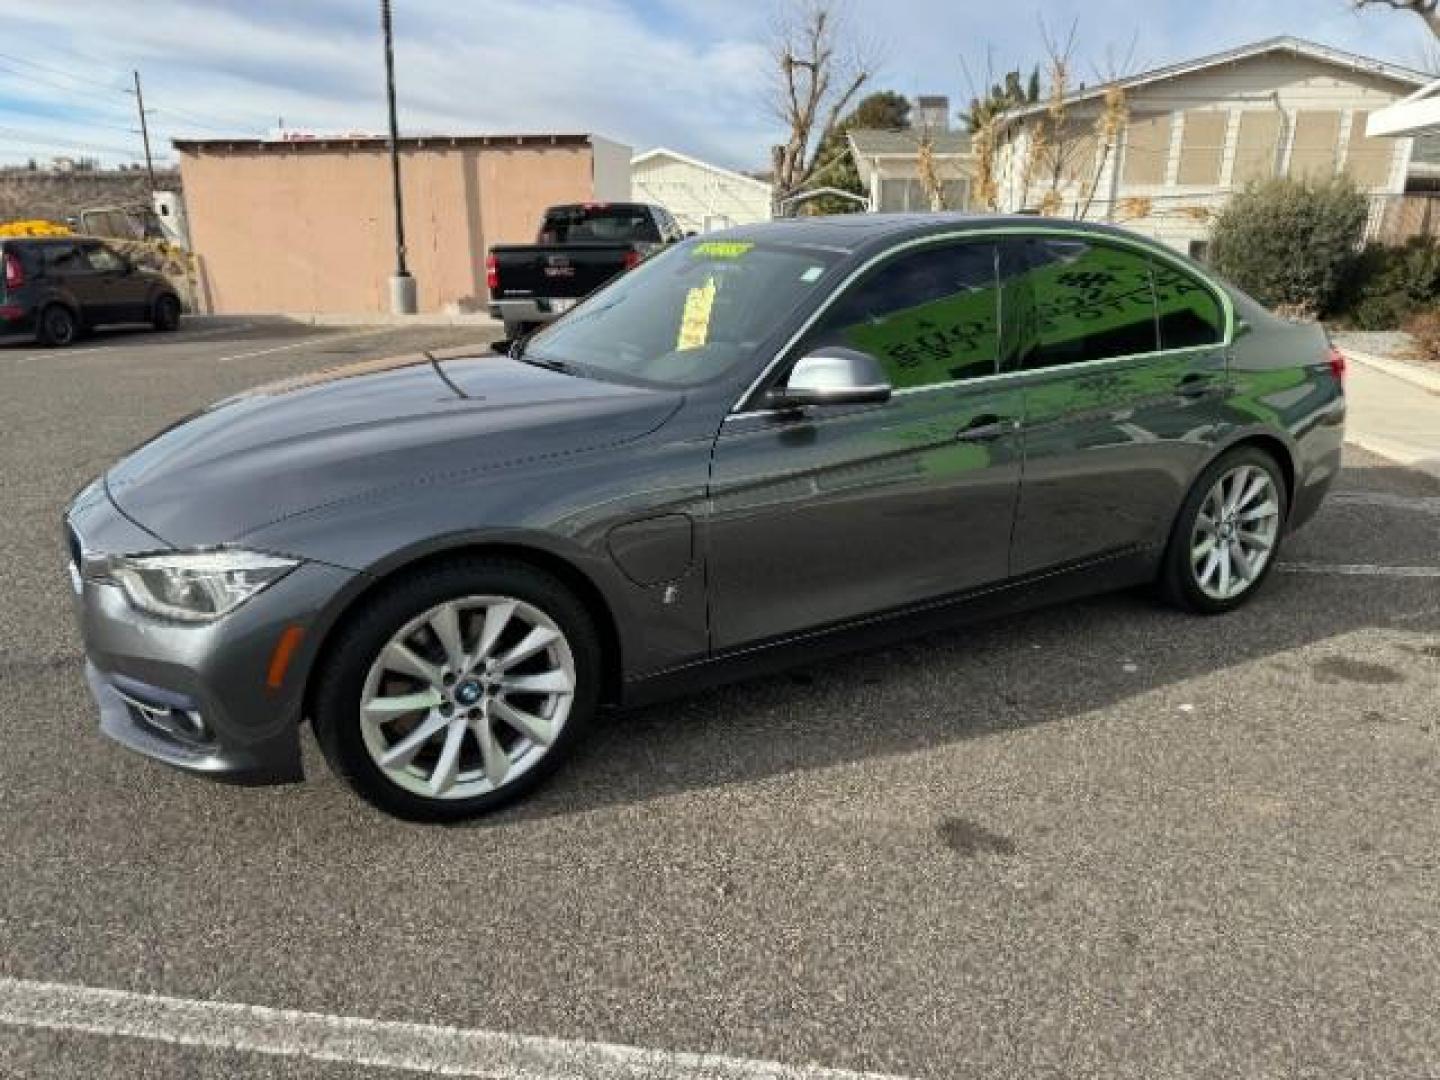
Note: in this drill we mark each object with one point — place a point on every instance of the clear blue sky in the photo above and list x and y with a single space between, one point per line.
684 73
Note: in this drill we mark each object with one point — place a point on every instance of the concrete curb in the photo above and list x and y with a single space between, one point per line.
270 318
1399 369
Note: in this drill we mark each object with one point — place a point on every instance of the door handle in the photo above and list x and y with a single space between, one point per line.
987 429
1197 385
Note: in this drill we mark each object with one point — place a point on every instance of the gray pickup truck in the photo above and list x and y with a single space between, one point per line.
580 247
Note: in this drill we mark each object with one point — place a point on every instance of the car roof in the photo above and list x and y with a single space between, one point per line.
855 232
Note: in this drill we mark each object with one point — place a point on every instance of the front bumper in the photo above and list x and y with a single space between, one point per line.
199 697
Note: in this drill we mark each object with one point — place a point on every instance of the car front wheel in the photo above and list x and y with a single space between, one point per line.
166 315
458 689
1228 534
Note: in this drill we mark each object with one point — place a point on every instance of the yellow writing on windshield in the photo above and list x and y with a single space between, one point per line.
721 249
695 319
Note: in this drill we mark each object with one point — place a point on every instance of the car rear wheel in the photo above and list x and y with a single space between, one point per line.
166 315
1228 534
58 327
458 689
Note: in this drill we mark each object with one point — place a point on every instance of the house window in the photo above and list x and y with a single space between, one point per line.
1258 146
1202 145
1317 136
957 194
900 193
1147 151
1368 160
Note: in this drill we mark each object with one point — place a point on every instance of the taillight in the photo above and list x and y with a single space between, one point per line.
632 259
1338 364
14 272
492 273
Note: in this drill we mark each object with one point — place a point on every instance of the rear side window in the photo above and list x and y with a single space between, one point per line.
574 224
929 317
63 259
1190 312
1073 301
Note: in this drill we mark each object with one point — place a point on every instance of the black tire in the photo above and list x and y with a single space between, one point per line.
336 702
1178 583
166 313
514 331
57 327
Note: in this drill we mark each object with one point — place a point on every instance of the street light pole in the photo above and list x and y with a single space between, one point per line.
402 285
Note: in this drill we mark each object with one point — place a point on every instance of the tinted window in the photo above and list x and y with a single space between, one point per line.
929 317
1190 313
63 259
1071 301
569 224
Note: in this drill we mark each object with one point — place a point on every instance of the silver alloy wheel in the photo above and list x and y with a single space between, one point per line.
1235 532
467 697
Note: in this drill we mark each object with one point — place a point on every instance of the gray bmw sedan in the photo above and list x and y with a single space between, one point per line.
759 445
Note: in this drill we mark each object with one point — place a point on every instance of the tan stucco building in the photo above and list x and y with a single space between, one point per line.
308 226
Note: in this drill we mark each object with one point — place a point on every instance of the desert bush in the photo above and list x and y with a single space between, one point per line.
1289 243
1387 285
1424 327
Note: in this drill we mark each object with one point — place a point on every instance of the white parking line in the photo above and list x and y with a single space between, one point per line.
120 342
309 340
1361 570
353 1040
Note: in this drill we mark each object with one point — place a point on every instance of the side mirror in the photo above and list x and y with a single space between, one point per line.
835 376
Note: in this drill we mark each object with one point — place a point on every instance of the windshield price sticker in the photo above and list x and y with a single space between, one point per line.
721 249
695 320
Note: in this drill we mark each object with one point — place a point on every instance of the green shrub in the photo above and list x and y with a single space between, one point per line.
1387 285
1289 243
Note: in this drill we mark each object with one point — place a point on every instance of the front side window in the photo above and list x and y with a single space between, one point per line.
1070 301
929 317
102 260
686 316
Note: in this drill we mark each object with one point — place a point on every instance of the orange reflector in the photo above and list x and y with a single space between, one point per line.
280 658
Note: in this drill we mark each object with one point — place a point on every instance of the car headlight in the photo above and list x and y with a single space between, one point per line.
195 586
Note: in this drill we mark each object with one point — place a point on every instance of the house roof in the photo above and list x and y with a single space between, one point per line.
375 142
665 151
1293 45
904 142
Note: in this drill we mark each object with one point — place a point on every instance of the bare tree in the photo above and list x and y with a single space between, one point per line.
819 68
1429 10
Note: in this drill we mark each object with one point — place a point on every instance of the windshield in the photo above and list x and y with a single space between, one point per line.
686 316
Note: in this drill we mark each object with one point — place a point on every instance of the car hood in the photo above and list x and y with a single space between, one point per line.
282 449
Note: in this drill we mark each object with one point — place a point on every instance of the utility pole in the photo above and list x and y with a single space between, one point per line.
145 134
402 285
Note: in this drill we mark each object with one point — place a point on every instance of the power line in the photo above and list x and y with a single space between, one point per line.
112 87
30 139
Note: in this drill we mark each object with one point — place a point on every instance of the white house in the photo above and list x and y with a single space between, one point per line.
889 166
703 197
1199 130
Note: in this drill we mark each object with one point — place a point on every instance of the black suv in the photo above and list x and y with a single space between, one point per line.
55 288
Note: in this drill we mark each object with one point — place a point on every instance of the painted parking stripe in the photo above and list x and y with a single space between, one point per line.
131 341
1361 570
304 342
353 1040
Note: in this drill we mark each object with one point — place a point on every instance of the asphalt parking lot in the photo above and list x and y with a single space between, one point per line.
1106 839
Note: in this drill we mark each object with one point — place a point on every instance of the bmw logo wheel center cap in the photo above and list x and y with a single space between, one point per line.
468 693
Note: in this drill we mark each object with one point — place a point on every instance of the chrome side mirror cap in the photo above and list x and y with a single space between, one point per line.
834 376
